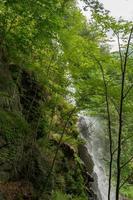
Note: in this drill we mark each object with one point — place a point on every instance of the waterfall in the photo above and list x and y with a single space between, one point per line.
91 131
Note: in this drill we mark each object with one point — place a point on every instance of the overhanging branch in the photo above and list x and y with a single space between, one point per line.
128 91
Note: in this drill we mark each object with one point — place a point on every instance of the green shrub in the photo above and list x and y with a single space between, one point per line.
127 191
13 126
58 195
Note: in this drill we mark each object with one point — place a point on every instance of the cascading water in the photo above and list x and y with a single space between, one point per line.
90 130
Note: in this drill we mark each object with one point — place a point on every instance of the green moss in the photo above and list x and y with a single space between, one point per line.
14 134
13 126
68 140
32 133
57 195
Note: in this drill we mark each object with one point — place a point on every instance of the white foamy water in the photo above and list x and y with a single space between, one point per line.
94 144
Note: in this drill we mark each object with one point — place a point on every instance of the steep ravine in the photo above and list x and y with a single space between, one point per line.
27 147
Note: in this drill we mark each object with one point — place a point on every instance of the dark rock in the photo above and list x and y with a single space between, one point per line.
86 158
9 98
89 177
83 127
67 150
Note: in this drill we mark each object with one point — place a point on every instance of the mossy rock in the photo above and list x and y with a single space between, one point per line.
14 133
13 126
9 95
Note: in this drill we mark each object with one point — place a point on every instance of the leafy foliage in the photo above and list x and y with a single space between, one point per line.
47 47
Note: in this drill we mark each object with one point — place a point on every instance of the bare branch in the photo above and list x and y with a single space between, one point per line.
115 106
128 161
130 53
115 150
127 92
122 143
120 52
4 145
109 123
125 140
120 131
125 181
58 146
127 50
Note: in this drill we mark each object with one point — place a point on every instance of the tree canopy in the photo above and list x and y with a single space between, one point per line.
49 47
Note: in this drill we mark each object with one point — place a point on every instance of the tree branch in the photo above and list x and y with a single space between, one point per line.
128 161
120 131
125 181
127 92
115 106
58 146
120 53
130 53
109 124
4 145
123 142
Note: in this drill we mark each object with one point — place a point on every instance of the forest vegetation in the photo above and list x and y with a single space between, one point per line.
53 65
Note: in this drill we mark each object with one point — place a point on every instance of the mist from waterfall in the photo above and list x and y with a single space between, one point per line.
92 132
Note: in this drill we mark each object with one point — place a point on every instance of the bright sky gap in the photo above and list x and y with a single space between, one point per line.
117 8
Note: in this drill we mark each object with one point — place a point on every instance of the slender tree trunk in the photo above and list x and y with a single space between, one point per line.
109 126
119 137
110 134
123 77
58 146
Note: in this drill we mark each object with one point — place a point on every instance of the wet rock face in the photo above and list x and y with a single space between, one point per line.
83 151
86 158
94 185
67 150
92 195
88 174
86 131
83 127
